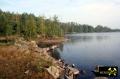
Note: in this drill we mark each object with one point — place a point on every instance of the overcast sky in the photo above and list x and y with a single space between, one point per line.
92 12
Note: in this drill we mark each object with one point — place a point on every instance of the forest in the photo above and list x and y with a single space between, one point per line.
72 27
29 26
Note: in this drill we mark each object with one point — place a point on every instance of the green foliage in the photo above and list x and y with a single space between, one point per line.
8 30
78 28
41 27
29 26
55 27
100 28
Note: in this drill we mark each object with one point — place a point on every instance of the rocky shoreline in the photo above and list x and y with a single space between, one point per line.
29 60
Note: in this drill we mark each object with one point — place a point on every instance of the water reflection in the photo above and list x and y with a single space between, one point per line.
100 38
56 54
75 39
88 50
60 47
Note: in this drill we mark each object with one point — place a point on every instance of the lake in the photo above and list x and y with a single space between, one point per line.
86 50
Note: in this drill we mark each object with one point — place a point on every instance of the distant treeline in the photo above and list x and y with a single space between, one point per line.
72 27
29 26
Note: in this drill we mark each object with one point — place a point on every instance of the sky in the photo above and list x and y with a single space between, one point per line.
92 12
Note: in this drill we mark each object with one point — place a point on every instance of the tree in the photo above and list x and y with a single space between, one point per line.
8 30
31 27
3 23
41 26
16 25
57 31
99 28
28 26
23 21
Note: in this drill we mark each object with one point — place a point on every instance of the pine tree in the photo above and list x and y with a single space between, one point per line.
42 26
31 27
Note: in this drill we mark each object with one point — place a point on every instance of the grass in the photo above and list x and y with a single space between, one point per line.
14 63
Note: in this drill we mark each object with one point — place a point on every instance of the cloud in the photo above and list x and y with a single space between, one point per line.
101 13
101 8
94 13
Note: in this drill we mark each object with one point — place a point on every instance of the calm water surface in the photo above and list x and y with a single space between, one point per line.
86 50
